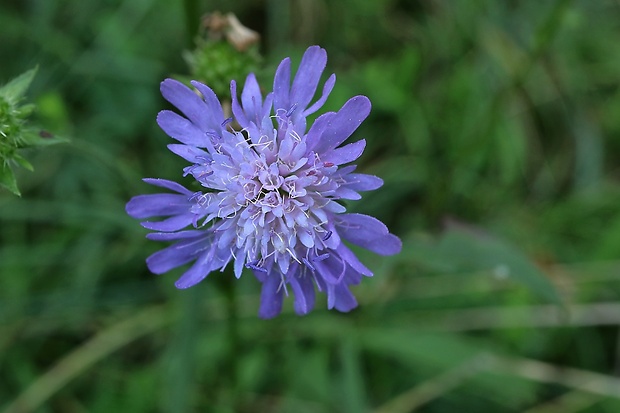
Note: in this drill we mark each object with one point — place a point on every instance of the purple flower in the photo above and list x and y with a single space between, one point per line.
271 191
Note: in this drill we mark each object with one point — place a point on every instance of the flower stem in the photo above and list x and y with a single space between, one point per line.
228 287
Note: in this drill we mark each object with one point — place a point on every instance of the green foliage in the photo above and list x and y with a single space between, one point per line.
495 127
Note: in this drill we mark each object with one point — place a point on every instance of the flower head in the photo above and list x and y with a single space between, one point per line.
271 191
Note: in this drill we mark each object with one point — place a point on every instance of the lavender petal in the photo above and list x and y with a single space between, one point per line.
155 205
199 271
363 182
174 223
164 183
303 288
369 233
344 123
189 153
181 129
186 101
281 86
271 297
307 78
345 154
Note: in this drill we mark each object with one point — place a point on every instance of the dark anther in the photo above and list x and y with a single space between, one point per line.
321 257
291 110
255 267
305 261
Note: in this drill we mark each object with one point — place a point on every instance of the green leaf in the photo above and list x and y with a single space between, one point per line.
463 248
352 381
472 249
23 162
16 88
7 179
37 137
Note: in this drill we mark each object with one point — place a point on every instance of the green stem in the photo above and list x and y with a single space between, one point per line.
228 286
86 355
192 19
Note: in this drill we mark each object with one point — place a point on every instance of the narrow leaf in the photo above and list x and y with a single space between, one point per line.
37 137
475 250
7 179
23 162
16 88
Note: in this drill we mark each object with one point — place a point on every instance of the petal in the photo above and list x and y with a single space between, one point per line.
164 183
307 78
171 224
181 129
271 296
267 108
236 107
334 207
344 299
388 244
352 277
186 101
327 89
368 232
319 126
170 236
343 124
282 85
238 267
363 182
176 255
331 296
189 153
305 238
351 259
146 206
333 241
331 270
345 193
303 289
215 114
346 154
197 272
252 99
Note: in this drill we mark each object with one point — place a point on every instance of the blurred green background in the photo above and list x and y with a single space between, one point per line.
496 126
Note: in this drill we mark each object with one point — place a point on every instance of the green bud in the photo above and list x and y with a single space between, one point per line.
226 50
15 131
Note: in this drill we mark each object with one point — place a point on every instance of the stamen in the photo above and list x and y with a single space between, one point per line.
293 255
204 174
291 110
308 264
321 257
253 266
283 285
278 114
295 136
194 196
